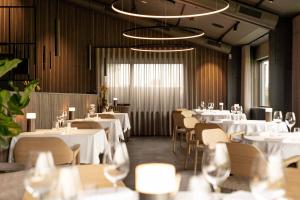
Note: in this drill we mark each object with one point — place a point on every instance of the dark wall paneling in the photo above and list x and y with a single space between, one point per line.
281 65
80 26
296 68
211 76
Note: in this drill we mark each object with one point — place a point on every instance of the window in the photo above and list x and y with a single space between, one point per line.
264 83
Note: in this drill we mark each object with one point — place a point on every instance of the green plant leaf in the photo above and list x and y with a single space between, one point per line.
27 91
7 65
4 97
13 104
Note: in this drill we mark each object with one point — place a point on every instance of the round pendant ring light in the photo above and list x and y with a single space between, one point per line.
133 33
158 48
124 12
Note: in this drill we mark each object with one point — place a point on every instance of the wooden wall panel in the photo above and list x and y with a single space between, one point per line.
296 69
211 76
80 26
49 105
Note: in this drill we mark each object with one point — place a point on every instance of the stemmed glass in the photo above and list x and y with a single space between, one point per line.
216 165
290 120
202 105
267 179
210 106
116 165
41 179
277 116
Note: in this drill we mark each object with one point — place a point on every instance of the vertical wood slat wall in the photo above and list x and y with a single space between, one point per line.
79 27
296 69
48 106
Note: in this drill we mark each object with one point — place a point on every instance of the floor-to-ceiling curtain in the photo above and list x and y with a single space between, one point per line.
154 84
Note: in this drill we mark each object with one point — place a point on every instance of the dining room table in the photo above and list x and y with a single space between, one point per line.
217 115
250 126
287 144
123 117
115 134
92 141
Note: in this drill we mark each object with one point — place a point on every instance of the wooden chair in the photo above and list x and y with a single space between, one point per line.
189 125
89 125
212 136
106 116
188 113
178 128
62 154
86 125
198 143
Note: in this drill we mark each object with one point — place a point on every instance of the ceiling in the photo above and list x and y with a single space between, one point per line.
218 27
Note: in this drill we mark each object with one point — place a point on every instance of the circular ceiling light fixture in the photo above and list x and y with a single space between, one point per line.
221 5
153 33
159 48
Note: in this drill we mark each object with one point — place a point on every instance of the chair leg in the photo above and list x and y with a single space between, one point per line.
174 141
181 137
187 157
195 161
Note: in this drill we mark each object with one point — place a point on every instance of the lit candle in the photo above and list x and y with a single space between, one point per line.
268 114
30 121
72 113
221 104
155 180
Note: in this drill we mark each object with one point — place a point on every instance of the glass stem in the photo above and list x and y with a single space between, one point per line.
217 189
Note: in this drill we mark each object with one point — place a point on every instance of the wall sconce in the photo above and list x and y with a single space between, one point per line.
30 121
115 100
72 113
156 181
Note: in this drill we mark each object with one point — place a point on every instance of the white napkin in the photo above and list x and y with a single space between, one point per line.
239 195
109 194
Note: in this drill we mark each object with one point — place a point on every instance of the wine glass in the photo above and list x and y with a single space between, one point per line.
216 164
290 120
277 116
233 109
202 105
116 165
267 179
41 179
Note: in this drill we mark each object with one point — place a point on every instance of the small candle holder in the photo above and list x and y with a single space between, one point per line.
115 100
221 106
72 113
268 114
30 122
146 184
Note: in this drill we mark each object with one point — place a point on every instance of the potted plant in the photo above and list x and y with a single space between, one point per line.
11 105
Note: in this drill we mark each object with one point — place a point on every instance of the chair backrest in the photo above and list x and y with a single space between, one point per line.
86 125
106 116
242 157
177 119
213 136
28 147
188 113
203 126
190 122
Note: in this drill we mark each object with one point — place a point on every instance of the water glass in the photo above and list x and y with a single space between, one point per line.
216 165
210 106
116 164
290 120
277 116
202 105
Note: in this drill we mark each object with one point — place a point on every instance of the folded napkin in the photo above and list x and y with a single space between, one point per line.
109 194
239 195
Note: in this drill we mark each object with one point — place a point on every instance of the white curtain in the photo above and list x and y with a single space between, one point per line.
154 84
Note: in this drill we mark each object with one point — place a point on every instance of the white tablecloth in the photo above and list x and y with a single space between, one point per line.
124 119
92 141
114 126
250 126
217 115
288 144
